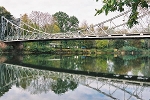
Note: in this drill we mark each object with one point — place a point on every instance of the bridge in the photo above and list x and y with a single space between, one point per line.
38 81
109 29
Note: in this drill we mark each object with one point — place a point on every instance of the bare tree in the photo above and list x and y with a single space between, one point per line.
42 20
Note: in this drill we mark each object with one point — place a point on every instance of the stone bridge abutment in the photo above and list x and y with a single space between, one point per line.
15 45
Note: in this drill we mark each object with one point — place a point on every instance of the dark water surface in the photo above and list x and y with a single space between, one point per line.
74 77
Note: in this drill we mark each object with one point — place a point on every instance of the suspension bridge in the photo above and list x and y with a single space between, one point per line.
39 81
108 29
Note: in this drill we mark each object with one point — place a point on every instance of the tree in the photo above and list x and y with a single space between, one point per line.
63 85
5 13
84 25
87 43
119 43
41 19
73 23
65 22
135 43
25 18
101 44
119 5
51 28
62 20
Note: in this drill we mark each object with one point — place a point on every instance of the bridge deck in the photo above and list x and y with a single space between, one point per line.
91 37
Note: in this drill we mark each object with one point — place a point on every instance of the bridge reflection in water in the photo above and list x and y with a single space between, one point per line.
42 81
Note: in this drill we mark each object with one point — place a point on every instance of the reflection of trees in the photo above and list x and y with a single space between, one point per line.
4 79
42 60
85 63
40 84
80 62
101 65
36 82
71 62
145 65
120 67
88 63
136 65
121 64
61 86
4 90
43 84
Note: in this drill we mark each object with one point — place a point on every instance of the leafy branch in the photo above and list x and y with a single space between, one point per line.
119 5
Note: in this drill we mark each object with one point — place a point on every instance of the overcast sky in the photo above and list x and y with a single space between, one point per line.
82 9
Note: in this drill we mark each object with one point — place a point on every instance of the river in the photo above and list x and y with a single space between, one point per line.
74 77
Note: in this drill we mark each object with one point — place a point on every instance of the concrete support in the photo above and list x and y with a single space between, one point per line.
3 45
16 45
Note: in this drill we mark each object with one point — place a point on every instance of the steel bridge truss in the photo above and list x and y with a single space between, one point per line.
39 81
116 27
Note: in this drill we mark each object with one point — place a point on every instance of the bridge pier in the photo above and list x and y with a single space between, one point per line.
16 45
3 45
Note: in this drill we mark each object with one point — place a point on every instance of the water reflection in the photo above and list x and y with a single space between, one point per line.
122 65
20 81
35 81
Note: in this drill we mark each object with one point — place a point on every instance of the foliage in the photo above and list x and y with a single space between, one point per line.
63 85
101 64
84 25
56 29
73 23
119 5
89 44
119 43
101 44
5 13
130 57
25 18
41 18
136 43
65 22
41 21
130 48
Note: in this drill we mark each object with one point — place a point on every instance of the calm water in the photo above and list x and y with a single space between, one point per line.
76 77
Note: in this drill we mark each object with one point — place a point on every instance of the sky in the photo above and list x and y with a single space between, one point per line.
84 10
